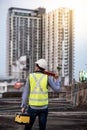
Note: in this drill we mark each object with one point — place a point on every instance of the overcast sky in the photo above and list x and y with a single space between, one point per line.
80 31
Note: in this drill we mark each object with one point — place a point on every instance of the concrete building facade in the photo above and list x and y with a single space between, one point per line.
24 37
37 34
58 42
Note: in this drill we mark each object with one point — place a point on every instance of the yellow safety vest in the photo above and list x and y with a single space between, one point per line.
38 89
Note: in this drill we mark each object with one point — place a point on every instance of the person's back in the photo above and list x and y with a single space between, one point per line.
38 89
36 93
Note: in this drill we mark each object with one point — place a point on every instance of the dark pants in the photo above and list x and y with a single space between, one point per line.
42 116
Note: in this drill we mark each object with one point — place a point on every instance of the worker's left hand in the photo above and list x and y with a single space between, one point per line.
56 76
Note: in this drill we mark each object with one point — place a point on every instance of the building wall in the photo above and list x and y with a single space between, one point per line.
3 87
24 36
38 34
58 41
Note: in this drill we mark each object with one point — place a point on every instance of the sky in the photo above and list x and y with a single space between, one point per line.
80 27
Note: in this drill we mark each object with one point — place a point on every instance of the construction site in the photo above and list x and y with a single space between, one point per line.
52 34
67 110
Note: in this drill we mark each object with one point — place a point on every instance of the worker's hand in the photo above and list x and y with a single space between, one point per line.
56 76
22 109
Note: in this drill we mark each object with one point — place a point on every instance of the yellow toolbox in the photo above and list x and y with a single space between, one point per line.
22 118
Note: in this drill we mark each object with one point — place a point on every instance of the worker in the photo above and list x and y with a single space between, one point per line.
36 94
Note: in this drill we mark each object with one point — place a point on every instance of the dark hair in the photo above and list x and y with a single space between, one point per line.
42 69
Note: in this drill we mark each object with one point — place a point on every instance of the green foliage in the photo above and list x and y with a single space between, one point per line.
58 68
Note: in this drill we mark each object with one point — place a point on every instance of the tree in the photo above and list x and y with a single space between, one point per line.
58 68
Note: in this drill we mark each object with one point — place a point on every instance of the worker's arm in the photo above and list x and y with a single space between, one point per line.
54 83
25 96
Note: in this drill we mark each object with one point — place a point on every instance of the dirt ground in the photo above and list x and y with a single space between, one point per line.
56 121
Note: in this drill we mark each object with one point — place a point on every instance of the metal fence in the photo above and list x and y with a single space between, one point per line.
77 94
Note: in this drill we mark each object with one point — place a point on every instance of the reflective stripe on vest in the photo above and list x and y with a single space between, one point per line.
38 89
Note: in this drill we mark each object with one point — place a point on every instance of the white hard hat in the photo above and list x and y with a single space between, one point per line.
42 63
